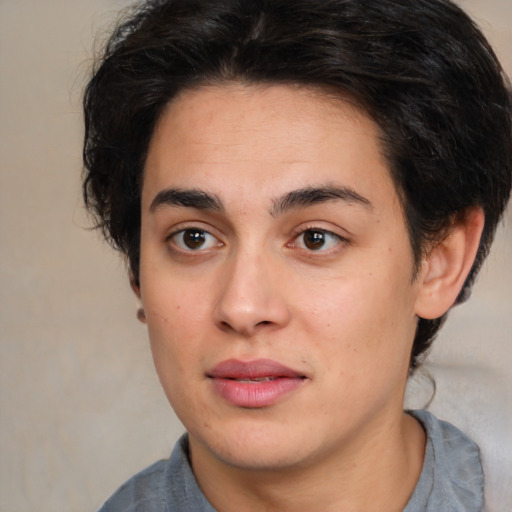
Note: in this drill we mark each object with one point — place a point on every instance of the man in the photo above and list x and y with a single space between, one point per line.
302 190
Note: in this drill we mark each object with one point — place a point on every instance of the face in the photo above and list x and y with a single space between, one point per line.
276 274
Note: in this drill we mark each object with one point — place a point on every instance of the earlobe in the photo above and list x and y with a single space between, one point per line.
141 315
447 265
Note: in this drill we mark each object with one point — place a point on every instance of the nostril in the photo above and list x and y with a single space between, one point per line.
264 322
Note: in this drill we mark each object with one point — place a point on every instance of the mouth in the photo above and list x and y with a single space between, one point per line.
261 379
254 384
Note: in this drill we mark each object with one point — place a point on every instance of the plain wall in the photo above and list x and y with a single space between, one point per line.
81 409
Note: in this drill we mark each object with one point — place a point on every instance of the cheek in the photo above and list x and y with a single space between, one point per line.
176 327
175 316
365 321
363 341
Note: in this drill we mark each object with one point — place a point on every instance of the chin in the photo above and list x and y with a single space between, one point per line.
262 457
258 447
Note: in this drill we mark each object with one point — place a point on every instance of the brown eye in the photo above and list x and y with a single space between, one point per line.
194 239
314 240
317 240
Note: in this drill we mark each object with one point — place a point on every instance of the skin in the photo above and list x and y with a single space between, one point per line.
343 314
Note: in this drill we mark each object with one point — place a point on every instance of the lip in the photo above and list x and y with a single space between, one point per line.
254 384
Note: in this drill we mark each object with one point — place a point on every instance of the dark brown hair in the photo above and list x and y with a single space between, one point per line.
420 68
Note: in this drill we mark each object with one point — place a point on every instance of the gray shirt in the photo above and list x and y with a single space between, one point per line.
451 479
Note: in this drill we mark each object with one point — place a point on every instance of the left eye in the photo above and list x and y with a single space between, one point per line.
317 240
194 239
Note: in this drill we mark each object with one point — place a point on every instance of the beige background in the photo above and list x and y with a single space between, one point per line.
80 407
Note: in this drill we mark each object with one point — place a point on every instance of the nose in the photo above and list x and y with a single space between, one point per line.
250 298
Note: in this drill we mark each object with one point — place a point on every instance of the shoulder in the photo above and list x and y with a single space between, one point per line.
166 486
145 491
452 477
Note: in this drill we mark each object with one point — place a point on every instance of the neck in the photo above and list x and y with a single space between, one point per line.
381 466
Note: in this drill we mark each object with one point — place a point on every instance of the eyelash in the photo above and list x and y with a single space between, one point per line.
325 233
177 239
173 237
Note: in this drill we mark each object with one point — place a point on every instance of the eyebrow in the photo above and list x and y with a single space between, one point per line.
188 198
300 198
309 196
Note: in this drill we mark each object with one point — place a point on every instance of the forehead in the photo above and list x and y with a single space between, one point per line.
278 136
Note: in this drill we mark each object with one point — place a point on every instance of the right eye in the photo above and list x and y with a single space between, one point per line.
194 239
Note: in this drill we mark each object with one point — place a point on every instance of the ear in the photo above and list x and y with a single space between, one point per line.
134 284
445 268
